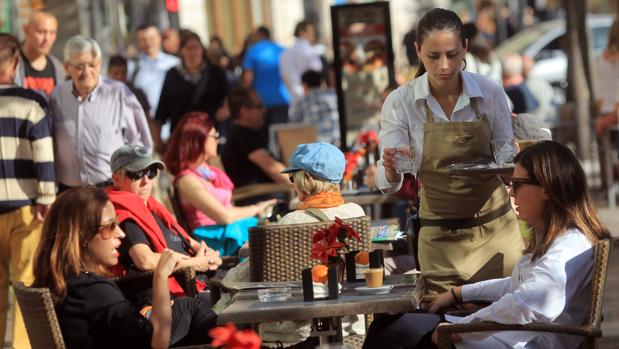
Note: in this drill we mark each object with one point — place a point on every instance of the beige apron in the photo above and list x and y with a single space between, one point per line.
468 230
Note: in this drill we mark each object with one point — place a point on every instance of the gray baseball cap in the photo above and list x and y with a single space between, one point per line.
528 126
133 158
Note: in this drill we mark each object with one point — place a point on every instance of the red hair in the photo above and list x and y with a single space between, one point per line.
187 141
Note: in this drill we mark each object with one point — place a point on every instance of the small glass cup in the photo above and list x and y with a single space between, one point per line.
280 294
405 159
373 277
504 151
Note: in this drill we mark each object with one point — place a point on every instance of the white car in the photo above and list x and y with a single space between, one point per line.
545 42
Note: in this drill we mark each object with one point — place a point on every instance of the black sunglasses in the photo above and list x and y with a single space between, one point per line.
151 172
515 183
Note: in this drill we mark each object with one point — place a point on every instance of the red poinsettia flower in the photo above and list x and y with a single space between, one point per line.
326 242
322 250
228 337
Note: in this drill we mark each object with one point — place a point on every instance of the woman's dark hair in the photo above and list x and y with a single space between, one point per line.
187 141
569 205
437 19
187 36
72 222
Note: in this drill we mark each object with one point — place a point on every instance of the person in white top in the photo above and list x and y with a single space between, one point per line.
148 71
468 230
550 284
300 58
607 81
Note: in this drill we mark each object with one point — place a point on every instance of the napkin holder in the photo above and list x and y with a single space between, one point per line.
308 286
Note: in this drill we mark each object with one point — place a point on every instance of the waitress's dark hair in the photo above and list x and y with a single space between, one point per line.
437 19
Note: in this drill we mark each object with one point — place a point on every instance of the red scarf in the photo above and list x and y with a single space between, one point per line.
131 206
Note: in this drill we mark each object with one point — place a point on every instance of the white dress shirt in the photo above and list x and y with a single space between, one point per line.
404 115
606 83
151 75
556 288
87 131
294 62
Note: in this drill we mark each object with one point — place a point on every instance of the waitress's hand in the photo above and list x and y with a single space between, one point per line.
389 164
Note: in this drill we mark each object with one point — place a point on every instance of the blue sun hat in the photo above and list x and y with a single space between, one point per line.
321 160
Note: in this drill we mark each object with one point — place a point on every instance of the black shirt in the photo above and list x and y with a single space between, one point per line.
95 314
235 156
135 235
39 80
177 92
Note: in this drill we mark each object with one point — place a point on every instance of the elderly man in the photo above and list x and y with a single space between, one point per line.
148 225
91 116
37 69
26 181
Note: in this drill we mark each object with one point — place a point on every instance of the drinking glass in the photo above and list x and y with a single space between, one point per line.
405 159
504 151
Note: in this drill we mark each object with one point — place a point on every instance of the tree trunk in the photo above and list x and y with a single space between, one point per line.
578 73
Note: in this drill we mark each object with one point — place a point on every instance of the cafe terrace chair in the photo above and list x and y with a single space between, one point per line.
279 252
41 321
591 329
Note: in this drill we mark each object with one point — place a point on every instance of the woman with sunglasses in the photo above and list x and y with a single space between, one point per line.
205 191
551 282
80 243
149 227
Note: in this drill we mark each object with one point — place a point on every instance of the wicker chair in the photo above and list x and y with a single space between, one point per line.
590 330
39 315
41 321
281 252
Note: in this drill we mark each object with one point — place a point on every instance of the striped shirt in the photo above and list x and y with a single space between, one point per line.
88 130
26 150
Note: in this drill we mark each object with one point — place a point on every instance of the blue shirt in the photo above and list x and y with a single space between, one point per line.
263 59
151 74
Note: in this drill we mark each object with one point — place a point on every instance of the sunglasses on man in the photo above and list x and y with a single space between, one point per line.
150 172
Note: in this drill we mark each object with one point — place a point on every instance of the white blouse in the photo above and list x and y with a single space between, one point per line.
404 115
556 288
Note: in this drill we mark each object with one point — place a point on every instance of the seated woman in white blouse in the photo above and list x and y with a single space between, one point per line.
551 282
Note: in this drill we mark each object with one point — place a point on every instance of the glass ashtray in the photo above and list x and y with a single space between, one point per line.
279 294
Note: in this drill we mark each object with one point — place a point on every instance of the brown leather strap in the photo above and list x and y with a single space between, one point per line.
467 223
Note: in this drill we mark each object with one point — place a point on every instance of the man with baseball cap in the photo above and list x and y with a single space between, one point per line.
149 226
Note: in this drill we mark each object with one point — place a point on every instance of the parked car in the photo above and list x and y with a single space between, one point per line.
546 43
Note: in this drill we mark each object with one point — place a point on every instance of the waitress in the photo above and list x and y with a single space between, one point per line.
468 230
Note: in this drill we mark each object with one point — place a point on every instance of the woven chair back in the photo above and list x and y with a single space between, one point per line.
281 252
598 281
39 316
